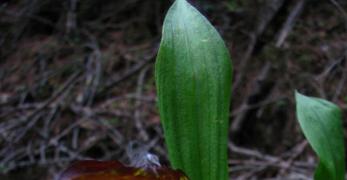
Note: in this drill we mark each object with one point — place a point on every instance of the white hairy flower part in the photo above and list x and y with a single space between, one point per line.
140 157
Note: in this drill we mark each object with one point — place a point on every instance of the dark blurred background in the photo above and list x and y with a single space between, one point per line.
77 81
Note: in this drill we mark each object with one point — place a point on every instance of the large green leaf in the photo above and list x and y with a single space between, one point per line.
193 78
321 123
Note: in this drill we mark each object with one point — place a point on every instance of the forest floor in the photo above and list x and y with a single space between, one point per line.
77 81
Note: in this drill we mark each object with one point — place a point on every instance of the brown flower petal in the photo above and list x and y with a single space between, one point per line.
114 170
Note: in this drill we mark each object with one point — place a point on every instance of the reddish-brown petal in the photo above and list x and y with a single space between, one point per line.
114 170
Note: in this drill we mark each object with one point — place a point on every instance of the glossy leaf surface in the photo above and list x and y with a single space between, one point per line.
113 170
321 123
193 79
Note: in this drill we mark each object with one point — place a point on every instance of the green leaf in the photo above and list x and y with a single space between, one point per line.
321 123
193 79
